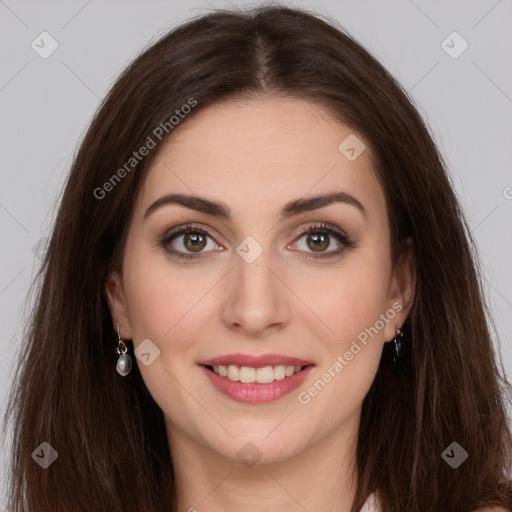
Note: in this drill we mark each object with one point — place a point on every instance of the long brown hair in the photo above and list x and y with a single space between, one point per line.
108 431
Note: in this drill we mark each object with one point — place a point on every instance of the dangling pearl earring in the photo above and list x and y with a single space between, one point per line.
124 363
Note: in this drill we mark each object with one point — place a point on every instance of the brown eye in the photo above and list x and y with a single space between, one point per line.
194 242
318 241
188 242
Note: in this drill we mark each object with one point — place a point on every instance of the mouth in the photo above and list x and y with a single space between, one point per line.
256 385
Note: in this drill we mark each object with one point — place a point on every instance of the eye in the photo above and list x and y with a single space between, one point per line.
190 241
318 238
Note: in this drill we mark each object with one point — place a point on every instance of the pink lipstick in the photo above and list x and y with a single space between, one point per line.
256 379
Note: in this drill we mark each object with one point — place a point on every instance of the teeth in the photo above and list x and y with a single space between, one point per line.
246 374
263 375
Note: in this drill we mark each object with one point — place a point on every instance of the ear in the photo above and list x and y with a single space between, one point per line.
115 296
402 288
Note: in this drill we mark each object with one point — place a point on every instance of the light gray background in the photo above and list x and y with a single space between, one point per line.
46 104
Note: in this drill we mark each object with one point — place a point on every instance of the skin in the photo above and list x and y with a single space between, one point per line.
255 156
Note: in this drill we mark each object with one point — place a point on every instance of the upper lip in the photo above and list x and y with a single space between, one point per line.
255 361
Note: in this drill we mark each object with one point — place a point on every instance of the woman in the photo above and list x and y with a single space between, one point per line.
260 292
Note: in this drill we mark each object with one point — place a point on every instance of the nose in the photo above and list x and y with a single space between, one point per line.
257 300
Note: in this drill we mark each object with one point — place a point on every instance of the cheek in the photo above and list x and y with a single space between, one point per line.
164 304
356 311
351 298
171 306
354 305
161 296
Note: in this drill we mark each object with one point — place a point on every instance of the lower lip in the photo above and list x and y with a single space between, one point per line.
255 393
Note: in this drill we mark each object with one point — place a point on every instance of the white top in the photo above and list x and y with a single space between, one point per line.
370 504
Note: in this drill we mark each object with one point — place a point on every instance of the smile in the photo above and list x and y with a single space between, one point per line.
256 385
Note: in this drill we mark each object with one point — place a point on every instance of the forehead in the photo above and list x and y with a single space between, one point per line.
259 154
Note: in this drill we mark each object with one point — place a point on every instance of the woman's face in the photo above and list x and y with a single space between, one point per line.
257 283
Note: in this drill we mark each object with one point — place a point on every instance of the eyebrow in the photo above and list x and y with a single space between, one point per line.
223 211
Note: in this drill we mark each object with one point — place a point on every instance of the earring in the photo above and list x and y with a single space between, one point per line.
124 363
397 356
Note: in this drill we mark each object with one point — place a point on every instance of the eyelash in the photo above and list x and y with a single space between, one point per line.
314 228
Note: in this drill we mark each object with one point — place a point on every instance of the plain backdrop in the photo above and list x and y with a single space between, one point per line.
47 103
